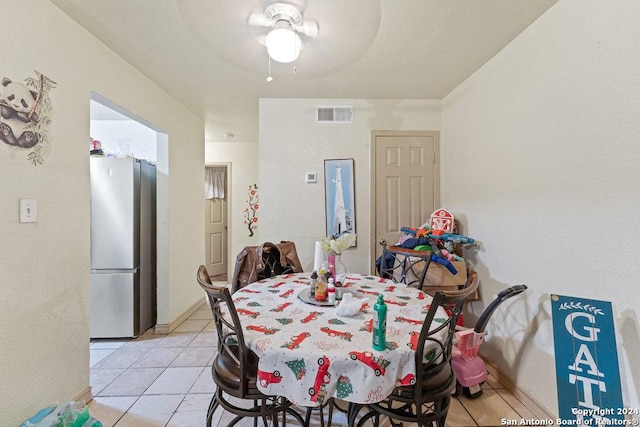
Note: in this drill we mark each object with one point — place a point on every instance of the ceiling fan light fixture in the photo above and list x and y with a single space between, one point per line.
283 44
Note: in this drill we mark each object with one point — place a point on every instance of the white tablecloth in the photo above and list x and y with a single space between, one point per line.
308 353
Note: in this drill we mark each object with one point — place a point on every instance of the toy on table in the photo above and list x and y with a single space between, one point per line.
416 231
437 232
447 237
453 238
445 262
441 224
441 256
441 221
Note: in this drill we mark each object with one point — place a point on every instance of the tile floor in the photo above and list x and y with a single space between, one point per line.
165 380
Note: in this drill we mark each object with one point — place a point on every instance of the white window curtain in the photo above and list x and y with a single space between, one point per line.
214 183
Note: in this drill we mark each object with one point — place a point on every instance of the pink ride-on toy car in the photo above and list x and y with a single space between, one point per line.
469 368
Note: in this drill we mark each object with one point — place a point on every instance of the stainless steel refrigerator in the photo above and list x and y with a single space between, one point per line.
123 230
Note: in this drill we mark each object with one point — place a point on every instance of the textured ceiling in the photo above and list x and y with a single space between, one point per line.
204 53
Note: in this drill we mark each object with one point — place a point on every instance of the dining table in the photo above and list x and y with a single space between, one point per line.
309 353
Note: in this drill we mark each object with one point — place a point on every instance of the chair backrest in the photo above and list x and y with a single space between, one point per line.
455 300
417 269
261 262
452 302
403 265
231 344
459 296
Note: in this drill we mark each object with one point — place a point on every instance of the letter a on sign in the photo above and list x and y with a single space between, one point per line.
587 371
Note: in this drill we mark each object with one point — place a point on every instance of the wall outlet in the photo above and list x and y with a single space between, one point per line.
28 210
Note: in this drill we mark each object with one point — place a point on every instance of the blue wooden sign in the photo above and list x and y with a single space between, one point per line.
587 370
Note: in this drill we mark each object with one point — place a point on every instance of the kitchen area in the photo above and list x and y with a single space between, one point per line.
123 225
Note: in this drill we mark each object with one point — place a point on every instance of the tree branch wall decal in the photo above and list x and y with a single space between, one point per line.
251 212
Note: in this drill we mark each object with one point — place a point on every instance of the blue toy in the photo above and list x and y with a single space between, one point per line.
447 237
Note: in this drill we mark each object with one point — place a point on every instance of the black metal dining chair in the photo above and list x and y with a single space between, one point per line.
404 265
426 401
414 268
234 368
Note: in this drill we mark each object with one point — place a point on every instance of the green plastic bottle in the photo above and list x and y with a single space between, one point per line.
380 324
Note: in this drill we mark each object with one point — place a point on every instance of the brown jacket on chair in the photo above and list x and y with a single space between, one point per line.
249 262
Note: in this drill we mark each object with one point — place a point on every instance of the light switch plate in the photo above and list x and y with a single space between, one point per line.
28 210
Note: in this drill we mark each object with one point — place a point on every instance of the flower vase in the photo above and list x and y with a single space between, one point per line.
331 264
337 268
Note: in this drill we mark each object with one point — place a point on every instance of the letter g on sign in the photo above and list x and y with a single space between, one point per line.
592 333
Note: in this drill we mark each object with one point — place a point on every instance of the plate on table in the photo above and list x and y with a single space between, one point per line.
304 296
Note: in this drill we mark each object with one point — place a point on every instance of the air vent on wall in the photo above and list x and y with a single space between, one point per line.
334 114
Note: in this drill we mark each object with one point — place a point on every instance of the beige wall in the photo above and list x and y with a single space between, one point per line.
242 158
291 144
45 265
540 156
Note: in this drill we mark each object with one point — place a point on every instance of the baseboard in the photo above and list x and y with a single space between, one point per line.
165 329
85 396
527 400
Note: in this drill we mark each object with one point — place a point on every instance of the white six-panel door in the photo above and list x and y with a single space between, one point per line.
406 182
216 236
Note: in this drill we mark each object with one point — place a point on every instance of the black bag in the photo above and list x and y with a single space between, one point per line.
272 264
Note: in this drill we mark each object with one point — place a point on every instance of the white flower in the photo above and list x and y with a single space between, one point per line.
336 245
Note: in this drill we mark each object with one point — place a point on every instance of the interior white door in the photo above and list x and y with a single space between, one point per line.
216 236
406 182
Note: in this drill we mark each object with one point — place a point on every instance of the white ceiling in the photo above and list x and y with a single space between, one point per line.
203 53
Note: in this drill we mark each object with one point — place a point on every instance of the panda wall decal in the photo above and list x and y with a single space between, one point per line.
25 115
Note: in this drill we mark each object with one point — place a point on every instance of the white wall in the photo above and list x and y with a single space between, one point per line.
540 156
243 160
291 144
45 265
124 138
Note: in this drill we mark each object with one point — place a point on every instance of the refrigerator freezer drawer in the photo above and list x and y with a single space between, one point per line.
114 305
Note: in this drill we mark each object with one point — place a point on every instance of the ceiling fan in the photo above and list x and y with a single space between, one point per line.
286 23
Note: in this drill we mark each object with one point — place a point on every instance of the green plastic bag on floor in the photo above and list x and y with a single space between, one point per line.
72 414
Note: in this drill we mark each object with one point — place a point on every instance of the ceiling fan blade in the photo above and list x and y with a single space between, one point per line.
308 28
262 39
257 19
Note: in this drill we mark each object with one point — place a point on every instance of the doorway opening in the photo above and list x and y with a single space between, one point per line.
216 208
126 149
